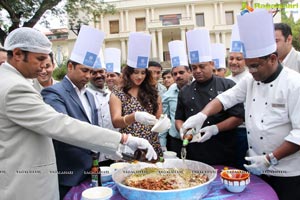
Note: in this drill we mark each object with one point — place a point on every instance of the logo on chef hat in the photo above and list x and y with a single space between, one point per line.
175 61
142 62
89 59
194 56
216 62
110 67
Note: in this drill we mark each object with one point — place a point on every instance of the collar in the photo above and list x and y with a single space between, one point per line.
103 91
274 75
205 83
82 91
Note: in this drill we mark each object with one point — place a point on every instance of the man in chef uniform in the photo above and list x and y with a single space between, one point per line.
272 104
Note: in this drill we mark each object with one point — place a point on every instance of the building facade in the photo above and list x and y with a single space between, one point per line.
165 20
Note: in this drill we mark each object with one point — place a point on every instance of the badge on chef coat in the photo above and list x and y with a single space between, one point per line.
178 53
112 57
139 45
256 31
198 44
87 46
236 44
218 55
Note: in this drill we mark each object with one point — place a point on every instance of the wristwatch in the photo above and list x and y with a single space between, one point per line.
273 159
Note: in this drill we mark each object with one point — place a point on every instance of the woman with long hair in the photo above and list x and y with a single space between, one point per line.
134 106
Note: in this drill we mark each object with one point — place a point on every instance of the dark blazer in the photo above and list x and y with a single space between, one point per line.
72 162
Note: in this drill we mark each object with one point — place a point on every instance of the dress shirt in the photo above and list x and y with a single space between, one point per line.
292 60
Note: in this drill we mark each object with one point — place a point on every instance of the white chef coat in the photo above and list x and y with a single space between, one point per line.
271 115
292 60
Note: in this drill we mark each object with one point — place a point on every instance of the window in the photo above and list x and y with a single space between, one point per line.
114 27
229 17
140 24
168 20
200 19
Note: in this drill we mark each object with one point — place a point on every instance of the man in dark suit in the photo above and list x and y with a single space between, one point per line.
71 97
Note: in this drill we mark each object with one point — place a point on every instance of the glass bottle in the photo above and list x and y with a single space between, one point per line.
96 171
187 137
140 155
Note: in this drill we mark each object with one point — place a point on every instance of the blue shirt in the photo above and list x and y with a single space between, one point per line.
169 102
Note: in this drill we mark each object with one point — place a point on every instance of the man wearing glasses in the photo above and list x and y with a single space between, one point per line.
272 104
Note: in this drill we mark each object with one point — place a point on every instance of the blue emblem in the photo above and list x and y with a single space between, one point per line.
89 59
97 64
110 67
142 62
176 61
216 62
194 55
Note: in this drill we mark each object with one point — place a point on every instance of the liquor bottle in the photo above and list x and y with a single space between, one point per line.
187 137
96 171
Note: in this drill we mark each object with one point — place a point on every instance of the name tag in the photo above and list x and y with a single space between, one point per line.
278 105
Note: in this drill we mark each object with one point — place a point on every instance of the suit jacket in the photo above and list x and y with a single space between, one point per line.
73 162
27 124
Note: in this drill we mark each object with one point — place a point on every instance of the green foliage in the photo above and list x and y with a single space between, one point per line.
60 71
295 26
26 13
87 10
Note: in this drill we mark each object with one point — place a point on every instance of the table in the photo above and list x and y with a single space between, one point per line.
257 189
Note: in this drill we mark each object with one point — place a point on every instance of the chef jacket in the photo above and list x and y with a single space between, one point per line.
271 115
220 149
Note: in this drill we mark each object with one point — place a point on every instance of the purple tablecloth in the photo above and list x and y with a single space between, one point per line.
257 189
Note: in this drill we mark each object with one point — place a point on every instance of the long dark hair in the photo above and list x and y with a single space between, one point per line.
147 94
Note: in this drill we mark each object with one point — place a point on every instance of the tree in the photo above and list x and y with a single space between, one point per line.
295 26
26 13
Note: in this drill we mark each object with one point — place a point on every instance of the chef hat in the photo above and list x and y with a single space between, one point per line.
139 45
112 59
236 44
87 46
99 63
178 53
257 33
198 43
218 55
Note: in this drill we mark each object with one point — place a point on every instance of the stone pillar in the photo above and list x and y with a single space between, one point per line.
187 8
126 19
182 33
123 51
217 36
216 13
160 46
102 22
222 16
122 21
154 47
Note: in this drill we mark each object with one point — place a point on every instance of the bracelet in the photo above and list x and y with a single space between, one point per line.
124 120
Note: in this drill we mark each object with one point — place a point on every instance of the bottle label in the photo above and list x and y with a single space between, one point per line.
95 180
185 142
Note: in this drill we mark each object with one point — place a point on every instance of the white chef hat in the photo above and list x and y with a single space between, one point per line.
257 33
139 45
198 43
28 39
236 44
99 63
87 46
178 53
218 55
112 59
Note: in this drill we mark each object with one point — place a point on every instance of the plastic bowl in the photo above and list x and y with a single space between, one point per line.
169 154
235 180
118 165
97 193
106 174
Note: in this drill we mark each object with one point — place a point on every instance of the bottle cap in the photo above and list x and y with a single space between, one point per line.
185 142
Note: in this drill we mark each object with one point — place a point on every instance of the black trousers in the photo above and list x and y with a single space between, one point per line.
287 188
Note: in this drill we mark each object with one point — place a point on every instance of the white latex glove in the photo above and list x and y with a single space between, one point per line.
208 131
195 121
145 118
258 164
141 143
